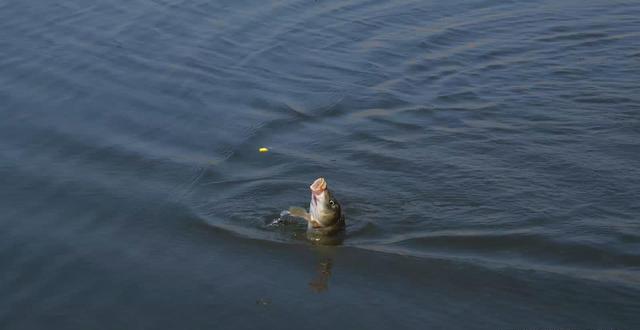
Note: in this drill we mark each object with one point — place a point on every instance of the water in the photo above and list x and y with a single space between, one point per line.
486 153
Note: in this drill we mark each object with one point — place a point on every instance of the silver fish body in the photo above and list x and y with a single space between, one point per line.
325 212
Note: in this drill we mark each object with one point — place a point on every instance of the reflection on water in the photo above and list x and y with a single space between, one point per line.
324 246
325 255
320 282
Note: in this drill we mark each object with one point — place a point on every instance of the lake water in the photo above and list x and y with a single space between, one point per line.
486 154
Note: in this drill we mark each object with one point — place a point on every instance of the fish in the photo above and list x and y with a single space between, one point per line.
325 215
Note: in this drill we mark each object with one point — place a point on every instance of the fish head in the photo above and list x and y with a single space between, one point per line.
324 208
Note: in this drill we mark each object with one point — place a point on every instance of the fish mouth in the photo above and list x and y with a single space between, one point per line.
319 186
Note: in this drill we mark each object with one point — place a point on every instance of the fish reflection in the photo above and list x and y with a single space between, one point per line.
320 282
324 267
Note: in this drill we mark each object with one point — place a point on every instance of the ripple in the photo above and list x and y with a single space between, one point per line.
496 138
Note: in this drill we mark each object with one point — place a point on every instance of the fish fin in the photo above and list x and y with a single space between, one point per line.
300 213
315 224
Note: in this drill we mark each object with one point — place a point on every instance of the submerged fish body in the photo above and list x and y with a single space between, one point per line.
325 213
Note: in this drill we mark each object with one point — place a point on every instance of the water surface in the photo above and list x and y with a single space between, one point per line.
486 153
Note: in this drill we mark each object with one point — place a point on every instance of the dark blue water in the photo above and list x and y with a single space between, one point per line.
486 153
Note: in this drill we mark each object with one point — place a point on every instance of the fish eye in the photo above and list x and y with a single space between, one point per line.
331 202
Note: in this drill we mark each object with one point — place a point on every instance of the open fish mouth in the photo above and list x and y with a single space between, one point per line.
318 186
